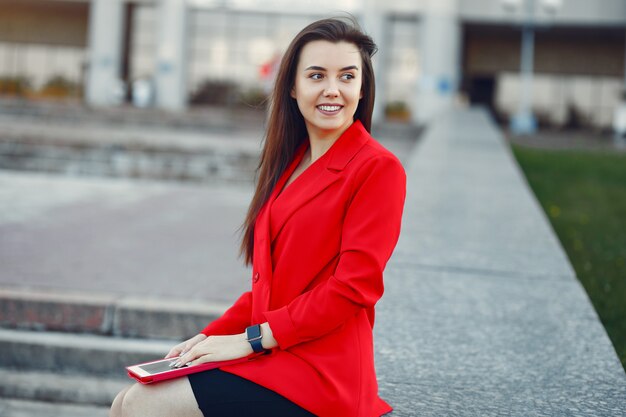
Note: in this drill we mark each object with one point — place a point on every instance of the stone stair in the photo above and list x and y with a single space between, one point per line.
25 408
66 354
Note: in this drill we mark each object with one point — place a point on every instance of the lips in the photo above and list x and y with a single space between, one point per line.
329 109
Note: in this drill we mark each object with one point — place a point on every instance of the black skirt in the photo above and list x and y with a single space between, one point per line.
220 394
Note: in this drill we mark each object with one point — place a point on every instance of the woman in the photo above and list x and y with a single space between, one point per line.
321 226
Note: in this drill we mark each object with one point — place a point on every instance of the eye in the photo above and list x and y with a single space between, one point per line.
347 76
316 76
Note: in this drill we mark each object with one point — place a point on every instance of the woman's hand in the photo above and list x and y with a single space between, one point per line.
185 346
216 348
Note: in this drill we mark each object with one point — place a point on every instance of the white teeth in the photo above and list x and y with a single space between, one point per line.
329 108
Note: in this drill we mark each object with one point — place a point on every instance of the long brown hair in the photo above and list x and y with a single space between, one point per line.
286 129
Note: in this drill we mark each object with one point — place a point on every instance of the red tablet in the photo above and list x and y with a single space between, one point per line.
160 370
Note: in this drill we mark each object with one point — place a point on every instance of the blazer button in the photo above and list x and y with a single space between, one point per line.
256 277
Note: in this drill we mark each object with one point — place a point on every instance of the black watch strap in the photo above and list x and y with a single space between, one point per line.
253 334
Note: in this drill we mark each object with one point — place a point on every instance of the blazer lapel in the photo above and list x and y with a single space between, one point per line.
337 157
313 183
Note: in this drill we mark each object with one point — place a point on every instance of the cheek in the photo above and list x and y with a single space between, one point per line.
303 100
304 93
355 94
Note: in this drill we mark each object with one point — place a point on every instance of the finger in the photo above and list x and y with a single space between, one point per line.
175 351
203 359
188 357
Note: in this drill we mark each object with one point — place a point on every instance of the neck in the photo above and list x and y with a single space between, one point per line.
321 141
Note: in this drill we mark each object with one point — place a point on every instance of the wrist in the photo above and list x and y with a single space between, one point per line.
254 336
268 340
244 339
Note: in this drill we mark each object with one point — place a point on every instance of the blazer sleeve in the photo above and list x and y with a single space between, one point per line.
370 232
236 318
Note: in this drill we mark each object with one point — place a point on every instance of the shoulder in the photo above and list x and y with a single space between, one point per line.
373 156
376 172
358 156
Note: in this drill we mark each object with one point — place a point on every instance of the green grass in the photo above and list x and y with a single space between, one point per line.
584 195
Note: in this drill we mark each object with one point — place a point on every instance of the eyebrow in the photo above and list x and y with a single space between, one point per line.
316 68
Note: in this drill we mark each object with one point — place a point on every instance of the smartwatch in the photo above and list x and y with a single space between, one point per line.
253 334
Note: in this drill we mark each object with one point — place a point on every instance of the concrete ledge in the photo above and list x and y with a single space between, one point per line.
136 144
59 388
21 408
104 315
122 154
48 311
76 354
202 118
139 317
482 313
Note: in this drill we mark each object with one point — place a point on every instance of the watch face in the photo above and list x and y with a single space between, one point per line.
253 332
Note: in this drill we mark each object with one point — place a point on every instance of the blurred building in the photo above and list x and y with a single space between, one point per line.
218 51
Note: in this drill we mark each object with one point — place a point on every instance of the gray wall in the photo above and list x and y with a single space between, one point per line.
572 12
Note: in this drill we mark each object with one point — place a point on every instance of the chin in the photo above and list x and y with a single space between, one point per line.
329 126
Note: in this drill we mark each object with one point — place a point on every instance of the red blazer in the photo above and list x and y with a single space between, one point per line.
320 247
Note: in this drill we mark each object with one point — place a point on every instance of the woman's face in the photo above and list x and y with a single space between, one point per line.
328 86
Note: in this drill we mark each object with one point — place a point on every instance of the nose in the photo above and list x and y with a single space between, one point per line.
331 90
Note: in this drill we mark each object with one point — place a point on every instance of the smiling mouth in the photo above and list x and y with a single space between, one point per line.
329 108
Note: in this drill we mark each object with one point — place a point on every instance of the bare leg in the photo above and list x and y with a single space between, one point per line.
172 398
116 407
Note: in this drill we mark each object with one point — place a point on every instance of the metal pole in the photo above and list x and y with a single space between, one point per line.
524 122
624 86
619 116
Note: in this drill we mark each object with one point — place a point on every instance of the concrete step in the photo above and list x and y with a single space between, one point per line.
104 314
75 354
200 118
158 154
116 162
21 408
202 146
60 388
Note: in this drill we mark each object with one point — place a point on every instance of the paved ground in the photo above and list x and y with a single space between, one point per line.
121 237
125 237
100 253
482 315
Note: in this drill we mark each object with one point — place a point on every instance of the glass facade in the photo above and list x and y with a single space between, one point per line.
40 65
143 45
563 100
233 47
237 46
225 47
239 49
402 69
